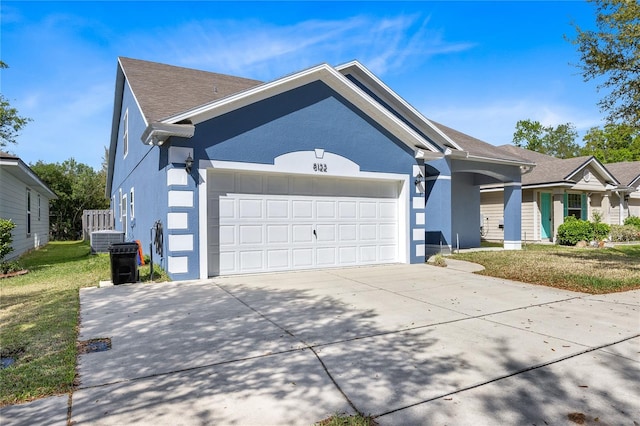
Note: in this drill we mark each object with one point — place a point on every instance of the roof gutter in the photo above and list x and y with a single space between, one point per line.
157 133
525 167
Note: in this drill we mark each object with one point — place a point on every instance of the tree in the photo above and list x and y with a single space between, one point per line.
557 141
613 52
10 122
78 187
613 143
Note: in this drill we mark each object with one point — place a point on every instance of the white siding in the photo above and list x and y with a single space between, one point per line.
529 216
492 212
13 205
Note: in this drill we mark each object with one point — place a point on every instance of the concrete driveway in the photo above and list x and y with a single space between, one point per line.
410 344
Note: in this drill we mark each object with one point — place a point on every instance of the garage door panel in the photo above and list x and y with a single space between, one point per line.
368 254
251 260
325 209
302 258
325 233
347 232
250 234
388 231
347 255
348 210
368 210
226 235
250 209
227 208
227 262
302 233
277 234
277 209
267 223
326 256
368 232
278 259
387 253
302 209
388 210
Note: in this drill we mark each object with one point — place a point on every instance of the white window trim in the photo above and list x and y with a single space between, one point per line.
120 209
123 208
131 204
125 135
28 206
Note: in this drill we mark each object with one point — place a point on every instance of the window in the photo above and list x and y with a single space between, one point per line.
125 136
119 200
123 208
575 205
131 208
28 212
39 209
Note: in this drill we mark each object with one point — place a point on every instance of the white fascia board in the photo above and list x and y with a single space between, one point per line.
26 175
324 73
432 130
158 133
501 161
598 165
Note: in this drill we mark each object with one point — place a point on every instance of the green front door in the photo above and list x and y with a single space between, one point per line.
545 215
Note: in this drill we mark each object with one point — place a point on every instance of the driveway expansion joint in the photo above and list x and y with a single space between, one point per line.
506 376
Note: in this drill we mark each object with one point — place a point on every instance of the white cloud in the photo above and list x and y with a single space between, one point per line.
265 51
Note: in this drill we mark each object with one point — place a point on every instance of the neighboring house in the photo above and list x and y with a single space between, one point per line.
627 200
555 189
325 167
24 199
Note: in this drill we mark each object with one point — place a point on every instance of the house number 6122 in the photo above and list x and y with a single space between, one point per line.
320 167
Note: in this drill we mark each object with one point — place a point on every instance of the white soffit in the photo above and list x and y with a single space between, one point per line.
331 78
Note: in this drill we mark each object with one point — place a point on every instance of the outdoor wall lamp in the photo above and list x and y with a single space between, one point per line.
188 163
419 180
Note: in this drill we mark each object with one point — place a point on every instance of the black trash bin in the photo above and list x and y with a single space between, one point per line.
124 262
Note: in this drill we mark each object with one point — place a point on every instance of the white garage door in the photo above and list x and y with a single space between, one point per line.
270 222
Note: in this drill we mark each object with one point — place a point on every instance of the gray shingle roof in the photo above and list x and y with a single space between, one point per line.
554 170
626 172
527 154
165 90
477 147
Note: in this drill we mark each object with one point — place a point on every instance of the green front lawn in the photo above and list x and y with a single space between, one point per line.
39 318
587 270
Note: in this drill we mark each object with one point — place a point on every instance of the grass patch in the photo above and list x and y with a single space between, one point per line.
587 270
347 420
39 317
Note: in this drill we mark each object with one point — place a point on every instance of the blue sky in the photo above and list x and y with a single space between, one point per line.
476 66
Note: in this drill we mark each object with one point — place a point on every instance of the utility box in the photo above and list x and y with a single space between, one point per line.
124 262
102 240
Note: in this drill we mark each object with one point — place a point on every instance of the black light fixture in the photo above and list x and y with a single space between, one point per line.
188 163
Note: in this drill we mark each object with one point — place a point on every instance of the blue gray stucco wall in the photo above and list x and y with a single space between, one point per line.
309 117
143 171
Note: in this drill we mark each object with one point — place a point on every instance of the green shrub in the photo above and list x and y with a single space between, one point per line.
622 233
600 231
574 230
9 267
6 226
632 221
